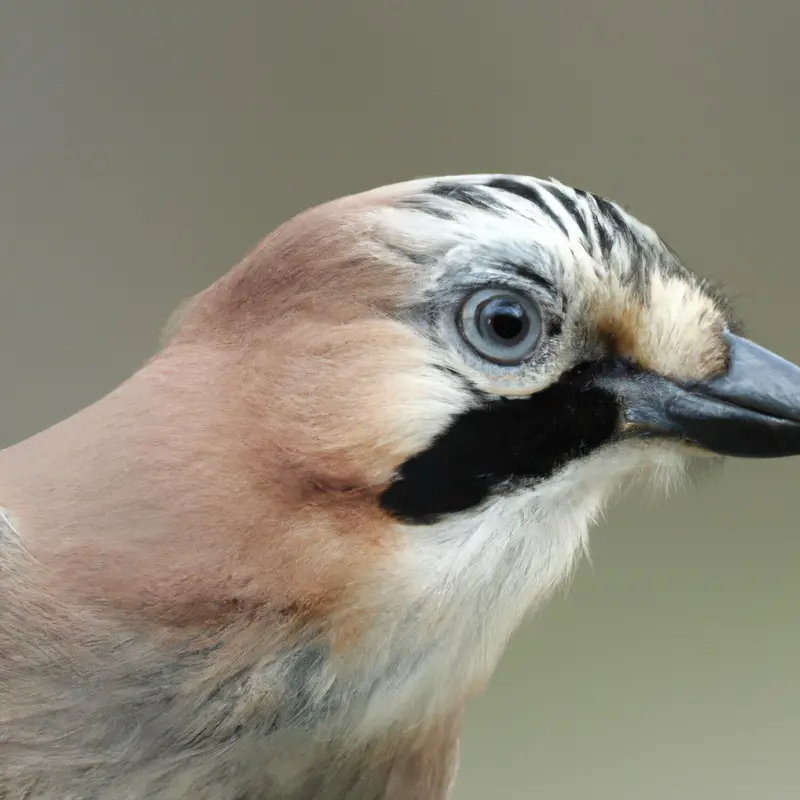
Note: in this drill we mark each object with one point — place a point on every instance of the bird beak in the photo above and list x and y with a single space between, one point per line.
751 411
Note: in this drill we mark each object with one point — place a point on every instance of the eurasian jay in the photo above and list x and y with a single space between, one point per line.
277 561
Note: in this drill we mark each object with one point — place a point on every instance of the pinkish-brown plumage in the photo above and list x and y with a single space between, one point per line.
224 495
234 577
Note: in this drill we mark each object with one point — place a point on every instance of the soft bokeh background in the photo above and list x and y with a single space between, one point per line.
144 147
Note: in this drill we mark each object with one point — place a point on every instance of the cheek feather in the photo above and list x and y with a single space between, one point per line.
354 402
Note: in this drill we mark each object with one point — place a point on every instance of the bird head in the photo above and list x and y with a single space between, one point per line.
446 347
382 437
455 374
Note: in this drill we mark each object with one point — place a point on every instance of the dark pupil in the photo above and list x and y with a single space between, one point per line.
506 326
504 320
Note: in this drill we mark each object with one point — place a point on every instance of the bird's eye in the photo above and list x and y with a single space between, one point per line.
501 325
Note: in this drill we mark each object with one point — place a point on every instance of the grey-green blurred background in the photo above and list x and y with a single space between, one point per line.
144 147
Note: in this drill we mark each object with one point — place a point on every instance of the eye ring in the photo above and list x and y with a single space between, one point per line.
501 325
